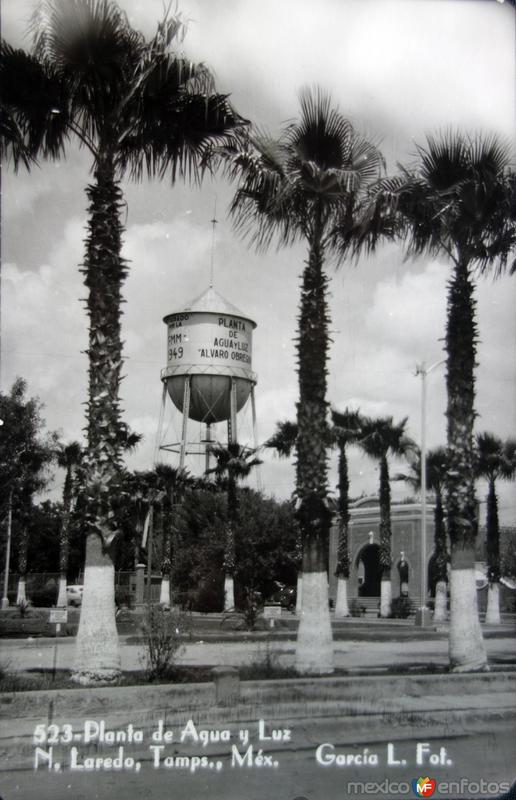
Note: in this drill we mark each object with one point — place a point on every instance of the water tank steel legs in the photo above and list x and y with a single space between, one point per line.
186 411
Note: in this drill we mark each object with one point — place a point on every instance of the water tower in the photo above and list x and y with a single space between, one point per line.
209 376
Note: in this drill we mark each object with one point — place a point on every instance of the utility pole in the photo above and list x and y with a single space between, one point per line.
423 614
5 599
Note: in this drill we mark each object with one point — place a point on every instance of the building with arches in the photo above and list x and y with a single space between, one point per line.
364 549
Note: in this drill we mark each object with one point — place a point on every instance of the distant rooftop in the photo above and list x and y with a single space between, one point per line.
211 302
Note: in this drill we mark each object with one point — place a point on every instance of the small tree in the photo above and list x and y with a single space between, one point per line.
173 484
283 441
162 635
496 460
380 438
347 429
25 455
233 463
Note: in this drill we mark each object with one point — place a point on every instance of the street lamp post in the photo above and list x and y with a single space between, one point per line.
423 614
5 598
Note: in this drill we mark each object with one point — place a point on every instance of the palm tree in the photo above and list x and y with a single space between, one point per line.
134 105
307 185
68 457
436 471
173 482
496 460
283 441
381 438
232 463
347 429
457 202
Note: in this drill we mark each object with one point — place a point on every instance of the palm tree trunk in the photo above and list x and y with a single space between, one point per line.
229 546
23 551
466 645
299 565
164 517
104 271
493 558
342 569
441 561
314 650
229 568
299 593
97 655
63 558
385 539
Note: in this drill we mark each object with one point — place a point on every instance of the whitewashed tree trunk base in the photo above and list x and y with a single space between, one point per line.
62 599
97 653
385 598
493 605
314 647
164 593
299 594
466 645
21 596
229 593
441 602
341 603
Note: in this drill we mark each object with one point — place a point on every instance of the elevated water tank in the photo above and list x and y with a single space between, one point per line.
210 345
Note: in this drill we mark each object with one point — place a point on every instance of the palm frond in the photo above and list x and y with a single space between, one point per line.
35 107
381 436
495 458
317 162
347 425
283 441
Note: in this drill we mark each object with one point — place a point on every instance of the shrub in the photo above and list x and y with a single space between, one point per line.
123 597
266 668
23 608
401 608
162 630
252 606
44 598
356 609
207 597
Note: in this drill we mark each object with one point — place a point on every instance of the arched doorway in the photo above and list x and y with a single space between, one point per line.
369 571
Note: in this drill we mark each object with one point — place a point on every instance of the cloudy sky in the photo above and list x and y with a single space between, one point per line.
398 70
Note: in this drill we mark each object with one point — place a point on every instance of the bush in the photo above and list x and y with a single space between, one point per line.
207 597
44 598
356 609
23 608
162 630
401 608
252 606
266 668
123 597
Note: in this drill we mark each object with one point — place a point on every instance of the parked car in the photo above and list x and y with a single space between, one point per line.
284 595
74 595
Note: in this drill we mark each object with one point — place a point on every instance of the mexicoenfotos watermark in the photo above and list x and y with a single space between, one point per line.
427 787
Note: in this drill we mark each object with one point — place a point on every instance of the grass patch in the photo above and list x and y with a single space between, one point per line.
263 672
33 680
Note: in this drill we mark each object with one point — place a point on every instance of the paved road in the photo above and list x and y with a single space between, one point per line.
38 653
488 757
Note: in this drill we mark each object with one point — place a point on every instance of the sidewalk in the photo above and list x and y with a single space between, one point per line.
351 654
